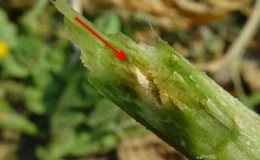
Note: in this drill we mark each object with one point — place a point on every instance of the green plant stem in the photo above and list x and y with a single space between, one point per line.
165 93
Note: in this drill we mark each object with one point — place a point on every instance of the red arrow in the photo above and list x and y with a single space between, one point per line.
120 54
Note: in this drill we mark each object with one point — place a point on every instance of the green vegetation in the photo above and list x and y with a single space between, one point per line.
50 111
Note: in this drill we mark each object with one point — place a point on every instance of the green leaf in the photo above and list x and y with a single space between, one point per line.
8 31
34 101
13 68
108 22
11 120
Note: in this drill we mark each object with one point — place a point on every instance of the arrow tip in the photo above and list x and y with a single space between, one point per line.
121 55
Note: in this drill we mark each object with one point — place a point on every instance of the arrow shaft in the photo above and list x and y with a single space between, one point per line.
95 34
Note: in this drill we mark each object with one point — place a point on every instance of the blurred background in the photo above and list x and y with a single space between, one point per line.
49 111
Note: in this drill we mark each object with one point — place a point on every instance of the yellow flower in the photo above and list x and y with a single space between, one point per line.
3 50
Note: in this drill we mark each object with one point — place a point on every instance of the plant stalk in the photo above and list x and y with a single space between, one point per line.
169 96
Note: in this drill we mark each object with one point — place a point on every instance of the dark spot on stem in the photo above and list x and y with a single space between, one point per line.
154 89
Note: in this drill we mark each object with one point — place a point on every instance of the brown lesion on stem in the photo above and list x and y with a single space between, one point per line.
154 89
146 80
